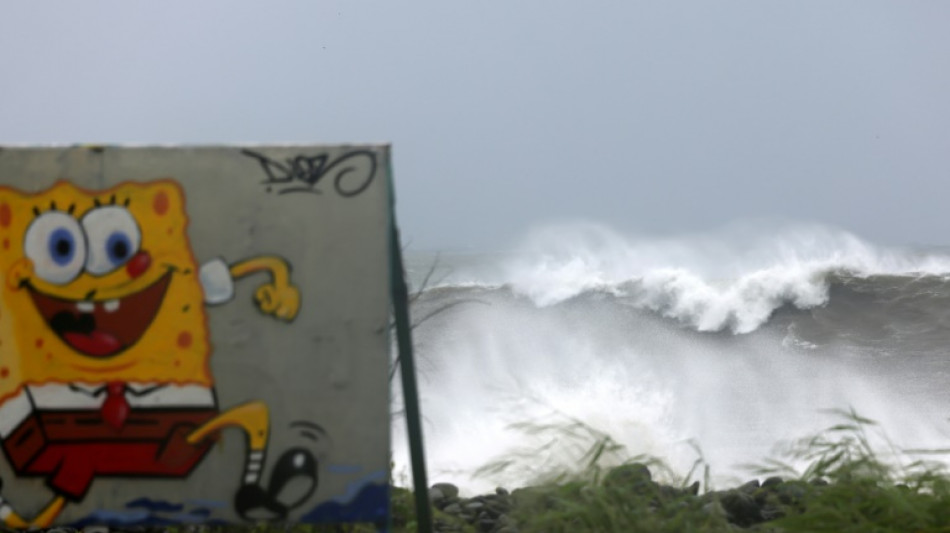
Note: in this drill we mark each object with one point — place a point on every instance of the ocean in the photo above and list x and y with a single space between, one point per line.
721 346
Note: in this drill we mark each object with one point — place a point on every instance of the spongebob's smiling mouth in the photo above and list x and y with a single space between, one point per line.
106 328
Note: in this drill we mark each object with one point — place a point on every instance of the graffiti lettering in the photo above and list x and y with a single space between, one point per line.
303 173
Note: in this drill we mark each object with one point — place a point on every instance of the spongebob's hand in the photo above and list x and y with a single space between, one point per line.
279 297
282 301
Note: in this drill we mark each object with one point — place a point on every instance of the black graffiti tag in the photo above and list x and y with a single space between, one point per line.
302 173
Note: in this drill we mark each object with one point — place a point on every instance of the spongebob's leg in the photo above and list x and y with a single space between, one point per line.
253 419
253 500
52 510
42 520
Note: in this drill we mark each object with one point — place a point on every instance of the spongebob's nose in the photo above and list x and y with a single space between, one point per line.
138 264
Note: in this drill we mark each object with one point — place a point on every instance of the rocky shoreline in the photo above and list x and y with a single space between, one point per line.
750 506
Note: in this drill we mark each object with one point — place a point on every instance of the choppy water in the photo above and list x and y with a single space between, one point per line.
735 340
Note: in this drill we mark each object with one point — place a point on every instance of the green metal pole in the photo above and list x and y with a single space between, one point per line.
409 390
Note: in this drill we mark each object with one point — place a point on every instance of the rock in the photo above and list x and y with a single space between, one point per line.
714 508
790 493
447 490
438 497
740 508
453 508
529 497
628 475
498 507
666 492
501 491
693 489
473 506
772 482
771 512
486 526
750 486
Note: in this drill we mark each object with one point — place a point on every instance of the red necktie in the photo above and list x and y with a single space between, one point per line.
116 408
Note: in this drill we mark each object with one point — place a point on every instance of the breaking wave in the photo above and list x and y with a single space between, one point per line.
733 339
731 280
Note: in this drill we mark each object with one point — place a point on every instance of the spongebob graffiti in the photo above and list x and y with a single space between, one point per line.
105 347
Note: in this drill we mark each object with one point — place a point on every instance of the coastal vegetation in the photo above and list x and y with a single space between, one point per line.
848 482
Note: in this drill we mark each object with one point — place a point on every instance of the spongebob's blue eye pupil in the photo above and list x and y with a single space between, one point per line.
118 247
62 246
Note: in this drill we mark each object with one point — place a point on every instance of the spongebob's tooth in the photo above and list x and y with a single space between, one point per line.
111 305
86 307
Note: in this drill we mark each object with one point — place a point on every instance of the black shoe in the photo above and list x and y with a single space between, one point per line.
293 480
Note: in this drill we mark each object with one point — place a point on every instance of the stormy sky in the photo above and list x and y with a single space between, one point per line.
659 117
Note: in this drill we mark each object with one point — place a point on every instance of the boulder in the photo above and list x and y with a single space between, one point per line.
446 490
741 508
750 486
628 475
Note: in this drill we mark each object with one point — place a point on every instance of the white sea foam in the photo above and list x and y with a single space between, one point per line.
546 356
731 279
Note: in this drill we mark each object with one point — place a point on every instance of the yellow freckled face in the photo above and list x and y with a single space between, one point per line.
99 286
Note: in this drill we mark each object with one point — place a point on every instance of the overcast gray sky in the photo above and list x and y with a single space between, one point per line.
652 117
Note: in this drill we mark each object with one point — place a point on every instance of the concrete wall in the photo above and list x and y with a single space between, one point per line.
194 334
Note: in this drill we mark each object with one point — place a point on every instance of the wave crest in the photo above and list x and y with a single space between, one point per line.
733 279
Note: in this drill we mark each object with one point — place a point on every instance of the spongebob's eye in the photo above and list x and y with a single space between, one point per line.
114 238
57 247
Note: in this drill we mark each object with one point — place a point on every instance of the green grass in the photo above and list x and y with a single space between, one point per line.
846 485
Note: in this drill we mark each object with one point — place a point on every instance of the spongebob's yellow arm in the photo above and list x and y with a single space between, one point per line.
279 297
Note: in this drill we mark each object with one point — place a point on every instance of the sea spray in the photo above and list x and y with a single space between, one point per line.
731 279
638 339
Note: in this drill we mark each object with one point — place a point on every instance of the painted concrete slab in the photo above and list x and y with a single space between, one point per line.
194 334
